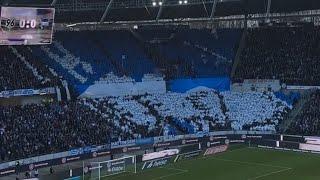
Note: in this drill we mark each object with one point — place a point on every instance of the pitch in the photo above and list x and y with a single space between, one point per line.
238 164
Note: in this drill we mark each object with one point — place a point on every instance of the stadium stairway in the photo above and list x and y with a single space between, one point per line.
241 46
224 110
283 127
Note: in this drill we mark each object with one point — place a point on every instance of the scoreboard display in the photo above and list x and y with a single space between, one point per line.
26 25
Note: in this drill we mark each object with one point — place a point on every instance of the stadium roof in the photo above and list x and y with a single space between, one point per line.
137 10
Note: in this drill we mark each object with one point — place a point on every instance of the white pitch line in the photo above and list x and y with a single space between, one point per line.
119 176
176 169
271 173
259 164
181 171
251 163
173 174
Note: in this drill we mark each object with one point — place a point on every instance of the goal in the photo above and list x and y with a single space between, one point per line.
98 170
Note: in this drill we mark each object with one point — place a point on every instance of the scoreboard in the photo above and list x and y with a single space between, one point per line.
26 25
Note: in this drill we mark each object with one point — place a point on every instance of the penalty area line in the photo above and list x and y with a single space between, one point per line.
283 169
250 163
270 173
181 171
176 169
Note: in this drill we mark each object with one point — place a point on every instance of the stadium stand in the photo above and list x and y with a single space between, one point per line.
38 129
307 120
202 54
20 70
254 111
286 53
191 53
195 69
187 63
188 67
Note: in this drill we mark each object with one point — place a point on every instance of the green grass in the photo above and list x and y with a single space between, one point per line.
236 164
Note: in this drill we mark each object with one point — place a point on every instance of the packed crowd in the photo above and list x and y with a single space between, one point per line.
198 110
9 75
191 112
69 62
21 71
254 111
37 129
190 54
128 115
287 53
47 75
40 129
307 122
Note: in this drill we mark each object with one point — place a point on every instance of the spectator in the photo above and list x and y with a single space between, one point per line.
36 173
307 122
37 129
287 53
22 71
51 170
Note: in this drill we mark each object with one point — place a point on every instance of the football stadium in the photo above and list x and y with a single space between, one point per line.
160 90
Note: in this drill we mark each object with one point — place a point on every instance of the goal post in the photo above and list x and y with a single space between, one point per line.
98 170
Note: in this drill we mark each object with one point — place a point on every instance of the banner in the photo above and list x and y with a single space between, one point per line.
189 141
216 150
26 92
75 152
119 144
155 163
309 147
144 141
160 154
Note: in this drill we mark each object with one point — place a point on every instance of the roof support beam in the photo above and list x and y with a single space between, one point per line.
160 10
268 10
54 2
106 11
213 10
147 10
205 8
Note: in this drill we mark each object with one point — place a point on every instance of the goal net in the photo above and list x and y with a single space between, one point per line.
99 170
